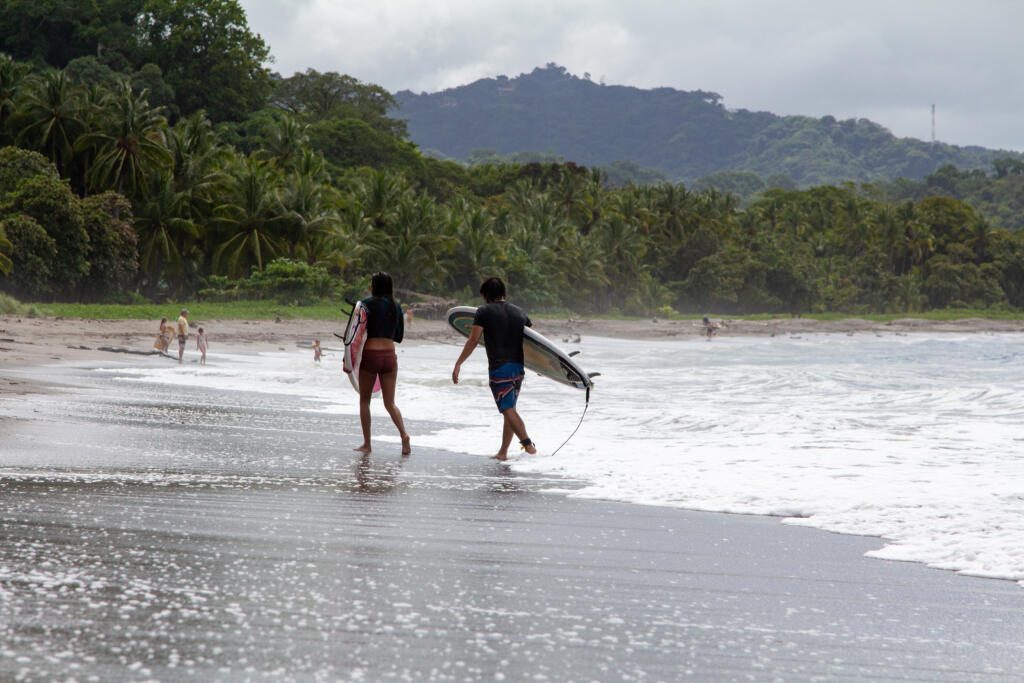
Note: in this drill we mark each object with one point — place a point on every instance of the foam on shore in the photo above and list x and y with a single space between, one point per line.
913 438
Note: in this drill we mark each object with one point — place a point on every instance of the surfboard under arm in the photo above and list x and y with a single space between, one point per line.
539 352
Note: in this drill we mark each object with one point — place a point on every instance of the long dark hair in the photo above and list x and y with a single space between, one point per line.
381 285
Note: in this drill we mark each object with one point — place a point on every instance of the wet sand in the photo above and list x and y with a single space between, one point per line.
151 535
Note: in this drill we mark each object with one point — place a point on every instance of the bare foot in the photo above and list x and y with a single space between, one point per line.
406 446
530 448
499 456
365 448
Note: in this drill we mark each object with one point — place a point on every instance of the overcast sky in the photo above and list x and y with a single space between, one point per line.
888 61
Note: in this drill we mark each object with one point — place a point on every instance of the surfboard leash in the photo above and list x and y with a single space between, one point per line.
580 424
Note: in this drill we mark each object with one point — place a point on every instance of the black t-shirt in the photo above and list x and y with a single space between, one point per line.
384 318
503 325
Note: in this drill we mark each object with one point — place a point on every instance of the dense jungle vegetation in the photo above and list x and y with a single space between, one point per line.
146 153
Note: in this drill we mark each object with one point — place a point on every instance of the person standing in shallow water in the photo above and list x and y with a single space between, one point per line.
501 324
182 333
385 326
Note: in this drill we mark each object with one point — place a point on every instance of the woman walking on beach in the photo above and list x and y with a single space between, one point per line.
385 326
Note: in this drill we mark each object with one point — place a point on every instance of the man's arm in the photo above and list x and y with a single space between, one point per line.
474 338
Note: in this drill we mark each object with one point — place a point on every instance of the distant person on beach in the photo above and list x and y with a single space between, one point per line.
501 325
163 338
182 333
710 328
384 328
201 345
317 351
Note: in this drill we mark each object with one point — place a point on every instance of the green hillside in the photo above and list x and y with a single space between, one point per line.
682 135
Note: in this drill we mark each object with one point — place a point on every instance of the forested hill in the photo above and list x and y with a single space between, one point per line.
684 135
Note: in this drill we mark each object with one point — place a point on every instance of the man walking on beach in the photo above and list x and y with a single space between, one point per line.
501 324
182 333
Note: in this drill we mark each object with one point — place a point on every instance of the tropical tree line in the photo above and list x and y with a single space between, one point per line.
111 190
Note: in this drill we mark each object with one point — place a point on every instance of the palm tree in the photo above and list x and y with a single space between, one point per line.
5 250
673 204
378 193
619 240
980 238
478 251
415 251
348 243
891 237
12 79
251 220
52 117
198 159
166 233
286 142
312 165
582 266
131 145
918 241
307 207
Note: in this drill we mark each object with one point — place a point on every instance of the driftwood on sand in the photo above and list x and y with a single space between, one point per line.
134 352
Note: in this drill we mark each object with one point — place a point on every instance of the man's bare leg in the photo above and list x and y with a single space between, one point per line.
514 423
506 439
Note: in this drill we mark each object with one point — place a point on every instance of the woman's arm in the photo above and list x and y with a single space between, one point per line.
400 327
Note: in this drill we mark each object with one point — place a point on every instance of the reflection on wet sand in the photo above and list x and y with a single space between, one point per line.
380 476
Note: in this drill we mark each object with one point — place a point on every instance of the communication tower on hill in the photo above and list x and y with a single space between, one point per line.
933 124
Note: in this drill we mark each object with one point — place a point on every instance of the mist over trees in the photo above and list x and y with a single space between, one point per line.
128 172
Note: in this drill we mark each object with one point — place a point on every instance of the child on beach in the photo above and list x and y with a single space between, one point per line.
201 345
317 352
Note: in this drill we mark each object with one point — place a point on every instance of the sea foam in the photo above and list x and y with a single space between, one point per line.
913 438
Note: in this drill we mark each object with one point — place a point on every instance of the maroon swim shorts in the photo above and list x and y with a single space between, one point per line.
379 362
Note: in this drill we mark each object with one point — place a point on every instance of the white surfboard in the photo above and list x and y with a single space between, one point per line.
539 353
355 339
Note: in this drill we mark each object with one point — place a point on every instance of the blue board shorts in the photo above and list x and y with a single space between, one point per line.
506 382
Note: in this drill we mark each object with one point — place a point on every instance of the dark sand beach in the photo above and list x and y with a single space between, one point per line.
156 534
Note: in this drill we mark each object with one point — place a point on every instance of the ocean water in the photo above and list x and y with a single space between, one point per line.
914 438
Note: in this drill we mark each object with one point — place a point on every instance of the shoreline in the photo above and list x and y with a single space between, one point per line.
51 335
46 340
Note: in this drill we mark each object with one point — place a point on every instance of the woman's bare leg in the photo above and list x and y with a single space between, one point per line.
366 381
388 383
